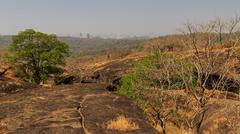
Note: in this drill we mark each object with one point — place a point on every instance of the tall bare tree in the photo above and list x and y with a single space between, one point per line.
211 54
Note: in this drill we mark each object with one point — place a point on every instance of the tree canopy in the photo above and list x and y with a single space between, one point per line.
36 55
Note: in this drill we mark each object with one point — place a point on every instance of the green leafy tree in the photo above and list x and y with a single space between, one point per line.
36 55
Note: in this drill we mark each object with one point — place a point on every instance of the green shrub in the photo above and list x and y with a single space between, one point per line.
158 70
127 87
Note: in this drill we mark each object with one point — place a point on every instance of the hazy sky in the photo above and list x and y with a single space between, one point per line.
106 17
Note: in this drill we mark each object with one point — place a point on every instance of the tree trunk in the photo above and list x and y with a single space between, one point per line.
36 70
203 108
162 124
163 127
37 76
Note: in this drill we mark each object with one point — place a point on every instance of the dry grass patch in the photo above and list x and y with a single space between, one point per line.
122 123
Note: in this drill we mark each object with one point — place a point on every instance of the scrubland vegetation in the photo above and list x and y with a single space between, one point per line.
176 86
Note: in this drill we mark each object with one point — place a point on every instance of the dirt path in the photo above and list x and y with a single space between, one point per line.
73 109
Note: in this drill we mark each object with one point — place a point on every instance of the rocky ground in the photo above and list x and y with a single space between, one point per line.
86 106
76 109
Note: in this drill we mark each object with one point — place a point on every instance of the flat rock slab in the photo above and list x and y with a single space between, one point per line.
73 109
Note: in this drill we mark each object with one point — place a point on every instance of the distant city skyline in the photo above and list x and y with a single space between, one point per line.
109 18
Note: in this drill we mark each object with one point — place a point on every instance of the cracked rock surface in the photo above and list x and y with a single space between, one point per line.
71 109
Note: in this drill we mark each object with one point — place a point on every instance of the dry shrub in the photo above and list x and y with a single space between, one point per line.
170 43
233 118
3 128
122 123
117 53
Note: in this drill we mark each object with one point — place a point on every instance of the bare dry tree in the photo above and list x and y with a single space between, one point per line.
211 55
160 91
175 86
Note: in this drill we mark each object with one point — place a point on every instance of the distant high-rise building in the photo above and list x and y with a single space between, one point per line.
88 36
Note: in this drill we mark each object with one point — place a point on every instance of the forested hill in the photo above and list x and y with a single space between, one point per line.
92 46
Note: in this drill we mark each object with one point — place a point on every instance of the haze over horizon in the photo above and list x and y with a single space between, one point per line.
109 18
